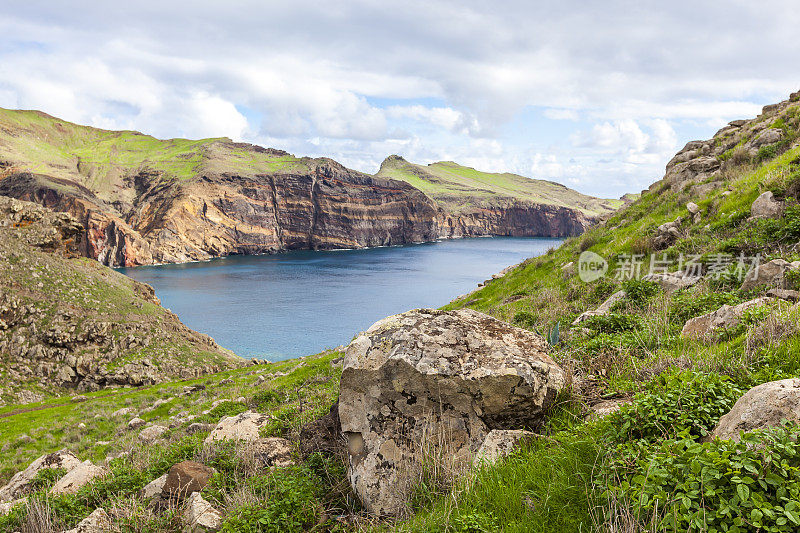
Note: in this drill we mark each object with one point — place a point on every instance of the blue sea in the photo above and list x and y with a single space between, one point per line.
298 303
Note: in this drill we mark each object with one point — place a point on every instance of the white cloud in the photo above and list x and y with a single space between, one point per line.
434 79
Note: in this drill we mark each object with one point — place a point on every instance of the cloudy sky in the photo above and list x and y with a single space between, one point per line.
596 95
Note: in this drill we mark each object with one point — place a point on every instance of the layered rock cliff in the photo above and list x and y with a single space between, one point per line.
72 323
142 200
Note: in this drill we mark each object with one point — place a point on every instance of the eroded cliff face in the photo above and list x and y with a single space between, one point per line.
142 200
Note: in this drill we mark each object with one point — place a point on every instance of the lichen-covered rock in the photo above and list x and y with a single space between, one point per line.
441 377
499 443
667 234
706 327
272 452
77 477
244 426
20 482
153 490
763 406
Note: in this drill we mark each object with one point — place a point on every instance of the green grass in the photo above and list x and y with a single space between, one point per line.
463 187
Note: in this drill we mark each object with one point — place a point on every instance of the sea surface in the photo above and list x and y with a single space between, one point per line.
299 303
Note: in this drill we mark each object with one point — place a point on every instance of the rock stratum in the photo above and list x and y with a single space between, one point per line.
69 322
142 200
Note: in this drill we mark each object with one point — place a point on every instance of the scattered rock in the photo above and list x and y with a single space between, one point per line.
197 427
771 273
97 522
154 490
499 443
20 482
667 234
569 269
125 411
605 408
77 477
761 407
706 327
199 515
185 478
766 206
136 423
671 282
6 508
694 210
78 399
785 294
411 378
151 433
273 452
604 309
244 426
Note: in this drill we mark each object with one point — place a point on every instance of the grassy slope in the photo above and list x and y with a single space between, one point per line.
86 292
98 159
460 187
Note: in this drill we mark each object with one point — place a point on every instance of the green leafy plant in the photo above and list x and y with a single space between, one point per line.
612 323
675 402
736 487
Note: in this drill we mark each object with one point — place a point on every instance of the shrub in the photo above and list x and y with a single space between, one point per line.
675 402
749 486
612 323
688 304
524 319
767 152
639 292
790 230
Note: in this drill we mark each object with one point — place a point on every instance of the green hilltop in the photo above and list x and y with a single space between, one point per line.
458 187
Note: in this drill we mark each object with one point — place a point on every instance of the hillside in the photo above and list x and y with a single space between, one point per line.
143 200
458 188
69 323
623 400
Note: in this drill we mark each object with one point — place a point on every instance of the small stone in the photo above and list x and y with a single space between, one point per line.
78 399
153 490
498 444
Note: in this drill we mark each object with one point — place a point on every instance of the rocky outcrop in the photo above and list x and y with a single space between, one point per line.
673 281
761 407
701 164
436 378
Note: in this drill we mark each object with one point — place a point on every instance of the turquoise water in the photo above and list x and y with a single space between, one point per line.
299 303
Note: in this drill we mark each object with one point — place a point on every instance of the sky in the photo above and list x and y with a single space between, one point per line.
595 95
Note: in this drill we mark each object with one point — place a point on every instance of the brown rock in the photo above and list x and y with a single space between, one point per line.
185 478
764 406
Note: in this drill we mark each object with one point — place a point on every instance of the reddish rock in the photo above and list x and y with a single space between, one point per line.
185 478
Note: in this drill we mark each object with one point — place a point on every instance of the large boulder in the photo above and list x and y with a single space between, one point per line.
764 406
771 274
436 378
20 482
766 206
244 426
706 327
80 475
